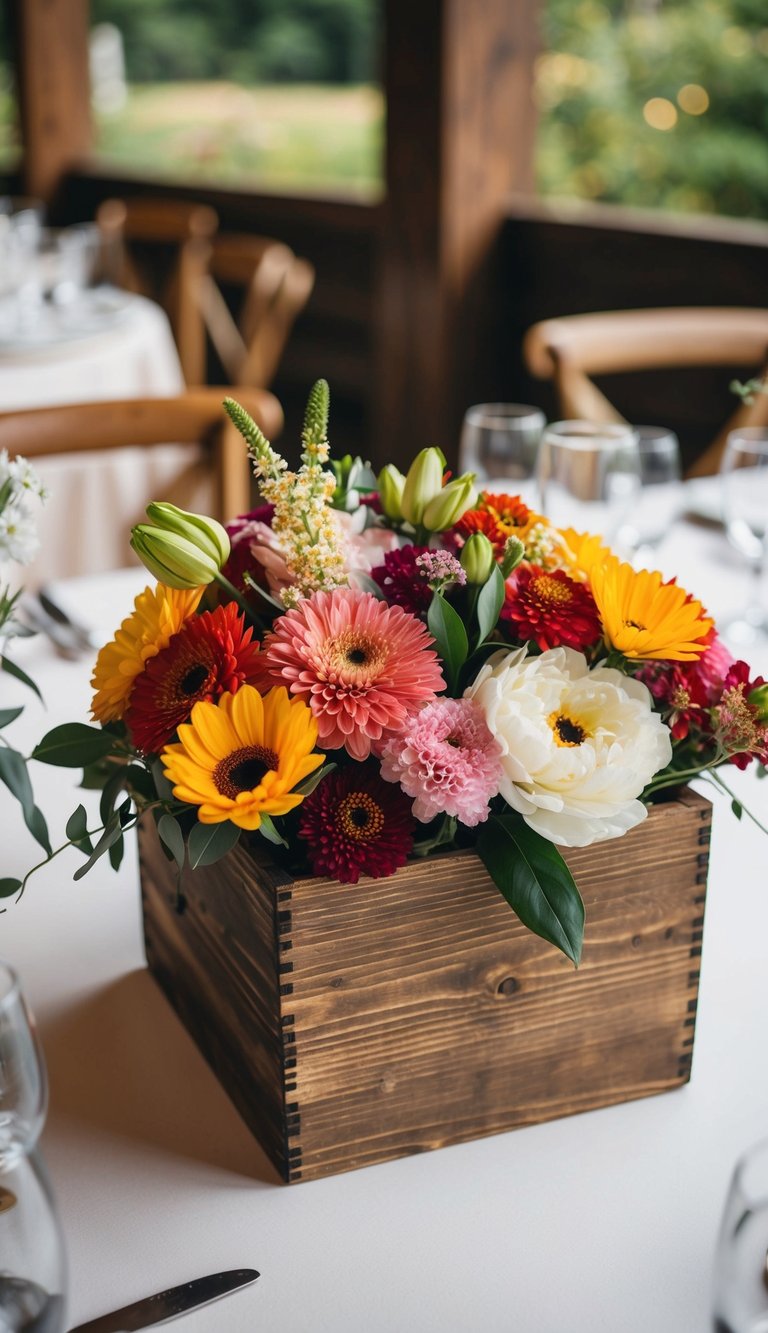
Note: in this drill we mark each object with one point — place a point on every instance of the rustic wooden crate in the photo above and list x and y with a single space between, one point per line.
351 1024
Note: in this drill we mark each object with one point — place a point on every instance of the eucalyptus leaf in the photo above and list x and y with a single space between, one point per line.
8 715
110 835
533 877
489 604
267 830
209 842
13 772
13 670
447 629
116 852
73 745
8 887
77 830
37 826
737 808
170 834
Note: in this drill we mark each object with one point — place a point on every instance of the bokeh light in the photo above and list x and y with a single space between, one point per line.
693 99
660 113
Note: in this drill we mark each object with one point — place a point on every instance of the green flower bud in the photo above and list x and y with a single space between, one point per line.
391 483
758 698
173 560
452 501
423 482
204 533
477 558
513 554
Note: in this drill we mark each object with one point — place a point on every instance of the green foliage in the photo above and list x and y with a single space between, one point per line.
447 629
535 880
606 59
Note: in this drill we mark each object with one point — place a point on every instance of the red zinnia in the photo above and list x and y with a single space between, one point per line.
211 654
550 608
357 824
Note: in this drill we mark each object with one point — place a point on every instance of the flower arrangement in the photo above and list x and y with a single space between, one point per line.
367 669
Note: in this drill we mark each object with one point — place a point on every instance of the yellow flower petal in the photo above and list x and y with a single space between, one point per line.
158 613
645 618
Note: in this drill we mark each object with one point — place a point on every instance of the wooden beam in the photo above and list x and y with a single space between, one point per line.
460 129
51 40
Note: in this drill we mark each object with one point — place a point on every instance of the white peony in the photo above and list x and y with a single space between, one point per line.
578 746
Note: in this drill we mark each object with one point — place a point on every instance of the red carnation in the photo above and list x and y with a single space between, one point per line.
212 654
551 608
357 824
402 581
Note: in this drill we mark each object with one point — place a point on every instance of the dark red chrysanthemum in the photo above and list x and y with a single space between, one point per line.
550 608
356 824
739 723
402 581
211 654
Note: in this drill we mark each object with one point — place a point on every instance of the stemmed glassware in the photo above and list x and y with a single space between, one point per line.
32 1267
659 500
744 475
499 443
588 475
741 1275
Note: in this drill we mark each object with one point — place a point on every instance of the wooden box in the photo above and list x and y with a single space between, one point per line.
351 1024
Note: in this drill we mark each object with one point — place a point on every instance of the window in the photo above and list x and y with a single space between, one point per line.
656 103
270 94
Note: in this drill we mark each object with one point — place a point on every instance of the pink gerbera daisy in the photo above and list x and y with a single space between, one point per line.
363 665
447 758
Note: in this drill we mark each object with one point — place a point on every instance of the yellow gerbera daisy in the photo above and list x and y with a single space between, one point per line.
644 617
582 551
242 757
158 613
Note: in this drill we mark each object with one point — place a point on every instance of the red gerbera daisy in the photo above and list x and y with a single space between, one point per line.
357 824
550 608
211 654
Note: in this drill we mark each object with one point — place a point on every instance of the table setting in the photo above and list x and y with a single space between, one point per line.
277 949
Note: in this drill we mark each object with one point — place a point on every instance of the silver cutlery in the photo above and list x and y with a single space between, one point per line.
89 638
168 1304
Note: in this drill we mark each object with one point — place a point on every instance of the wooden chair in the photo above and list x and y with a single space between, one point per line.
569 350
276 286
161 248
92 508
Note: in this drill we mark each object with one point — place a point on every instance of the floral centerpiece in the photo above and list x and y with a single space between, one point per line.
365 669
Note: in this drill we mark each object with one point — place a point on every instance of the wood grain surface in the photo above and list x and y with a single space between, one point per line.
352 1024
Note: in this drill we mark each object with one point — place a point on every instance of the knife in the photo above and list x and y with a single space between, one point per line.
168 1304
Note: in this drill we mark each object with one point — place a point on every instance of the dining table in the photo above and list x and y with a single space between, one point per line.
606 1219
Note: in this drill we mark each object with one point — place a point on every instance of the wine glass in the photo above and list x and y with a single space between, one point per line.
740 1290
588 475
659 501
499 442
32 1267
744 474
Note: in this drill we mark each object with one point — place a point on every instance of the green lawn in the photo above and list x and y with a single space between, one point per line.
283 137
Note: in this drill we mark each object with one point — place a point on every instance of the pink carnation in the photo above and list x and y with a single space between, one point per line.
446 758
363 665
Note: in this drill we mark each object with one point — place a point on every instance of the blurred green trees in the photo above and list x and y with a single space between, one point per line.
612 85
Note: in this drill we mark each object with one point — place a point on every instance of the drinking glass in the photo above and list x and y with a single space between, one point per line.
20 230
32 1268
499 442
744 474
740 1291
588 475
659 500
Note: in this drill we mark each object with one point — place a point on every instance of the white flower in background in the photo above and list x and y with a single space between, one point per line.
578 746
18 535
25 480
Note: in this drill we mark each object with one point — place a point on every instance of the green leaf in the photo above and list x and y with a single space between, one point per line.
77 830
209 842
162 785
73 745
737 808
170 834
250 582
358 579
535 880
13 772
489 604
13 670
268 831
37 826
139 780
116 852
447 629
113 788
110 836
308 785
8 715
8 887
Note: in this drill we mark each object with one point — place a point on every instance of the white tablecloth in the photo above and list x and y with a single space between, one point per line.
605 1220
96 498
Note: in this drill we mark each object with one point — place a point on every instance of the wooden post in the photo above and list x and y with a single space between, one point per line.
51 40
460 127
